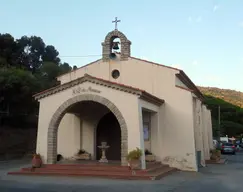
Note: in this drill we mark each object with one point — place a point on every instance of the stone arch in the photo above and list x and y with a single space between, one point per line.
60 112
125 45
115 34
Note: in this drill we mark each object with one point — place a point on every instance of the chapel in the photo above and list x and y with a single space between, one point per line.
123 103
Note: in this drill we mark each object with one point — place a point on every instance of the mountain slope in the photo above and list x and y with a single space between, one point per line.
231 96
231 110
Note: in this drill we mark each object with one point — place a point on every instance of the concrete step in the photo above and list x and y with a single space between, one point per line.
109 173
84 174
95 168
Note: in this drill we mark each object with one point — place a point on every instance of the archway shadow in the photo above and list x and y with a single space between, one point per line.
108 130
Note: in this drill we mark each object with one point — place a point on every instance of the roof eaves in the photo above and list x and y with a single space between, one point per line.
91 79
185 79
161 65
151 98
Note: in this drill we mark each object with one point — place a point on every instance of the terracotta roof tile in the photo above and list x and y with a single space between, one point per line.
107 81
145 95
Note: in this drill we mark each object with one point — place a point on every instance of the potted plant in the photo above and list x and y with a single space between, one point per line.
83 155
149 156
133 158
215 154
36 161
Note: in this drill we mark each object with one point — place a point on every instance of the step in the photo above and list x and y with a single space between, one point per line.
86 167
155 175
149 165
79 169
162 173
154 168
109 166
85 174
95 168
93 172
114 175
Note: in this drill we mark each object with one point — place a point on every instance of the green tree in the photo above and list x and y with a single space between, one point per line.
231 116
16 88
27 66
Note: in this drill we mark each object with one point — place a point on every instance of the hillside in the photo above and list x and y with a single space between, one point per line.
231 96
231 110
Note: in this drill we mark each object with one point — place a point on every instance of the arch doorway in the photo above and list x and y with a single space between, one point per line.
60 112
108 130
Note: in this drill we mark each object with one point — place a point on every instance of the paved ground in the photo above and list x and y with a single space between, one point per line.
221 178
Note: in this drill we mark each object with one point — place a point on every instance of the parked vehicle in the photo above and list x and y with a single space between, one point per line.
224 139
228 148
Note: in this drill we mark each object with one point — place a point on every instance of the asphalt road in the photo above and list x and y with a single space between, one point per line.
223 178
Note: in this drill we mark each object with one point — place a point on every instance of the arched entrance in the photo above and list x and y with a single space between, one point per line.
108 130
60 112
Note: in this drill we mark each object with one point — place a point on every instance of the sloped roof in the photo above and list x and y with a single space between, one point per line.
150 62
181 75
88 78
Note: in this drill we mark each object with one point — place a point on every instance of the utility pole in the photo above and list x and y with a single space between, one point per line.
219 122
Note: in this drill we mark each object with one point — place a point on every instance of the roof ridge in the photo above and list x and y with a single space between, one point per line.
151 62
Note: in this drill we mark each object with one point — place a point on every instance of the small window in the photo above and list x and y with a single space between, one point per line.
146 131
115 74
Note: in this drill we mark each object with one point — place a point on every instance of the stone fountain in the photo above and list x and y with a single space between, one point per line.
103 148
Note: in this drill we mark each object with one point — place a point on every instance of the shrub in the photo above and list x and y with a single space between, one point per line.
134 154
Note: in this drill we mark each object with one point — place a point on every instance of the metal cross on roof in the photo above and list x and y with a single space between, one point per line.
116 21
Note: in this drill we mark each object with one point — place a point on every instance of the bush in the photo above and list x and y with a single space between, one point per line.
134 154
81 151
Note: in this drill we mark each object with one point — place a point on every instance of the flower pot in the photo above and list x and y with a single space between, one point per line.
150 158
84 156
218 153
213 157
36 161
135 164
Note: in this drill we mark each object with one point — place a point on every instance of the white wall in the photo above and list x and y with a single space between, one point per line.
88 128
210 130
50 104
205 134
176 133
201 130
68 142
179 83
177 124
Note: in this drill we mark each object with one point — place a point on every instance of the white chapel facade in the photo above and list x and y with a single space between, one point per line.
128 103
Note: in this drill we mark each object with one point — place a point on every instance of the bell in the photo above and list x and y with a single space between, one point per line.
115 45
112 55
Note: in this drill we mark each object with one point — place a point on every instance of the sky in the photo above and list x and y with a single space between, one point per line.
203 38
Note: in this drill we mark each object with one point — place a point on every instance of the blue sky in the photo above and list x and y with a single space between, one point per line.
204 38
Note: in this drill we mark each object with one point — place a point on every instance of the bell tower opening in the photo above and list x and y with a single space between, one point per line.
116 43
115 47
